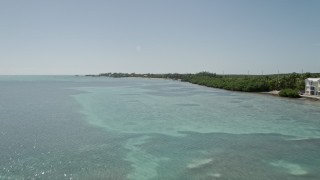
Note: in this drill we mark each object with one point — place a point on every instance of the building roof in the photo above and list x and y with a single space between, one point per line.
313 79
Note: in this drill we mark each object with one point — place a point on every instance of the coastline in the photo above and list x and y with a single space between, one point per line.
272 93
315 98
303 97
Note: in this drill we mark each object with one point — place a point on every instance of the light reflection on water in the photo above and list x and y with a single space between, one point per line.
52 128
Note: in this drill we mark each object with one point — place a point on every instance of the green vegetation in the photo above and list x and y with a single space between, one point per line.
246 83
289 93
251 83
230 82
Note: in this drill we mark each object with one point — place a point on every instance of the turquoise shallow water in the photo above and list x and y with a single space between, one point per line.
64 127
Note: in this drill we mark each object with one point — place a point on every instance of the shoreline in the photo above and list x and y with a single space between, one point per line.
303 97
272 93
314 98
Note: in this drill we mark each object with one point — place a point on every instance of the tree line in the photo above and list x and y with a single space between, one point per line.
246 83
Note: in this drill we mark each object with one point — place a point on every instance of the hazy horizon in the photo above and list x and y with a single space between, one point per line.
83 74
143 36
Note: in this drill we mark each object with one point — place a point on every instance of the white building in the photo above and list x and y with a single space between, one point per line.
312 86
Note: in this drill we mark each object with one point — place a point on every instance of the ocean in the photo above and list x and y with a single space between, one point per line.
68 127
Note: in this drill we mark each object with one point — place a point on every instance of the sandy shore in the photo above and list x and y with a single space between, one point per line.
311 97
276 93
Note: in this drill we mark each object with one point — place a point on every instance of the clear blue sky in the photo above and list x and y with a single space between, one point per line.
159 36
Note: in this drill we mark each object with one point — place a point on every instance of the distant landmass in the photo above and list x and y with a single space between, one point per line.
291 84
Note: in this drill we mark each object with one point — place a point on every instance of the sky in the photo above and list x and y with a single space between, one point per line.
159 36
